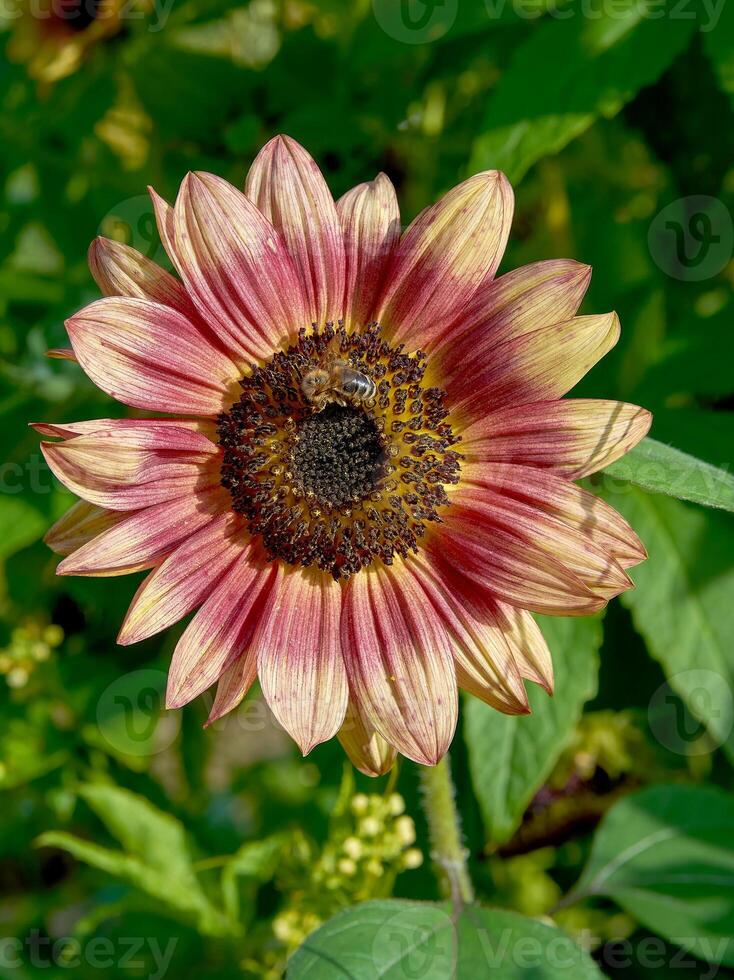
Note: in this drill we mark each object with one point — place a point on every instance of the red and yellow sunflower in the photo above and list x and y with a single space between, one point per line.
364 482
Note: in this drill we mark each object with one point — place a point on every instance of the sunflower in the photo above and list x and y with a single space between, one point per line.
365 482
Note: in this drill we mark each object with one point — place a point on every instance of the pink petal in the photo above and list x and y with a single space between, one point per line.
536 366
370 219
585 513
504 526
485 664
185 578
506 308
79 525
299 657
366 748
222 630
233 685
398 657
120 270
573 437
150 356
146 537
133 466
287 186
67 430
516 569
446 253
236 268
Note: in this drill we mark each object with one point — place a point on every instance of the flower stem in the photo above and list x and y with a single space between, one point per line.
444 826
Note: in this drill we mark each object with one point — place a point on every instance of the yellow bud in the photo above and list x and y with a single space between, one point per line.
360 803
347 867
370 826
405 829
353 848
412 858
395 804
17 677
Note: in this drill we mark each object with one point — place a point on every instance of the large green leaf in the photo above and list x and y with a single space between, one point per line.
568 73
683 608
509 757
397 940
666 855
156 858
663 469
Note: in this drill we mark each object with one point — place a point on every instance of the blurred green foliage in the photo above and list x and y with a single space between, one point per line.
615 120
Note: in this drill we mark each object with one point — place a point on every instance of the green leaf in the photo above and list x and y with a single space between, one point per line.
509 756
570 72
20 525
397 940
255 859
666 855
662 469
682 606
156 858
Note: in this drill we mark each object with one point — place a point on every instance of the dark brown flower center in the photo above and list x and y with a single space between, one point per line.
338 457
337 453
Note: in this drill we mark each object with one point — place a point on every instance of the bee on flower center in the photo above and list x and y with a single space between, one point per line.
339 383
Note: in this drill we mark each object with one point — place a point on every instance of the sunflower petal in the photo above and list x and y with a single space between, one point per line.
366 748
149 356
443 257
287 186
370 219
222 630
120 270
233 685
582 511
401 672
573 437
82 522
506 308
236 267
540 365
145 537
185 578
127 468
485 665
299 661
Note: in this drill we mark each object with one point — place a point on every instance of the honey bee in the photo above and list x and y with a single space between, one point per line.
339 383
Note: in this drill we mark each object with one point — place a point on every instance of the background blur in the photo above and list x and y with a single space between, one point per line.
615 121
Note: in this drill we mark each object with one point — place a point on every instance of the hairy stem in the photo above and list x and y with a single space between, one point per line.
444 825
